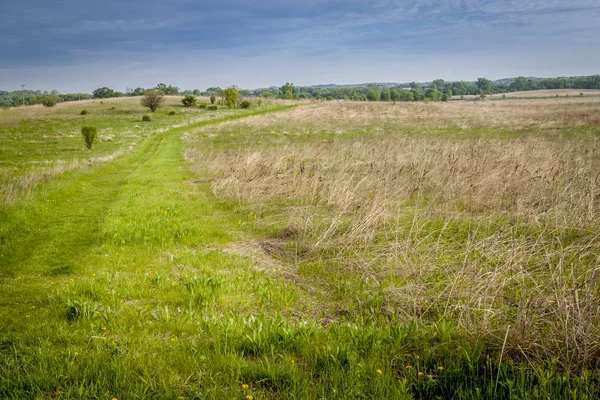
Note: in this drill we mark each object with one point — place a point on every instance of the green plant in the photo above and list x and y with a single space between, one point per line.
329 98
245 104
89 134
213 98
259 102
231 95
113 108
146 118
49 101
202 105
84 112
172 112
189 100
212 107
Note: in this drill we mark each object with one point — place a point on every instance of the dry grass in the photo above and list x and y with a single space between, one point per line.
491 231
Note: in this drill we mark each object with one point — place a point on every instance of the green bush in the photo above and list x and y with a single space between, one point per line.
259 102
113 108
146 118
212 107
49 101
189 100
329 98
245 104
202 105
89 134
84 112
172 112
213 98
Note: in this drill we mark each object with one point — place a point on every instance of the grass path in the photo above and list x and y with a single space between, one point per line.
99 246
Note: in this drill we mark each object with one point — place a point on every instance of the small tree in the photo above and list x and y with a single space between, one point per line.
152 99
89 135
213 98
245 104
230 95
189 100
49 101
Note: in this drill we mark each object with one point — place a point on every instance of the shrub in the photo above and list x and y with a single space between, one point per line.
152 99
213 98
49 101
245 104
84 112
329 98
146 118
202 105
172 112
581 94
482 96
89 134
212 107
113 108
259 102
189 100
101 101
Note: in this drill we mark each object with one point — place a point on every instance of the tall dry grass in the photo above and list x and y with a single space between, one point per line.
495 232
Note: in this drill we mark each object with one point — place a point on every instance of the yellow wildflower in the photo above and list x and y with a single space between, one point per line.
76 353
245 387
441 368
32 306
408 367
249 397
420 374
380 372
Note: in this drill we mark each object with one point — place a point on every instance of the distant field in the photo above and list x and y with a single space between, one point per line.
322 250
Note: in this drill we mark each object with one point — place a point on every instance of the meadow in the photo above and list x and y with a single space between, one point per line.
317 250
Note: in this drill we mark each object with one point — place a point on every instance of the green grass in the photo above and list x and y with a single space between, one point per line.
116 281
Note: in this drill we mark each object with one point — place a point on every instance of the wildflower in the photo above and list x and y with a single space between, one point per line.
76 354
32 306
441 368
103 328
380 372
244 387
420 374
93 274
249 397
293 362
408 367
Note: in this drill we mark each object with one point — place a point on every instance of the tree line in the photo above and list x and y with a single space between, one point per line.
437 90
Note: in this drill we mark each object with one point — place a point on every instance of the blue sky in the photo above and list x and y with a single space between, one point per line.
81 45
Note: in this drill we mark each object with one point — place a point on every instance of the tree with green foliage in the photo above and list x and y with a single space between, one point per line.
168 90
152 99
49 100
103 93
373 95
385 95
484 84
189 100
230 95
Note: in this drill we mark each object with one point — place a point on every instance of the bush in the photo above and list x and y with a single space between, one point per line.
189 100
152 99
212 107
202 105
146 118
213 98
172 112
329 98
245 104
259 102
84 112
113 108
49 101
89 134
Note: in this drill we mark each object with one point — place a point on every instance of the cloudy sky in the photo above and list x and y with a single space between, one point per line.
79 45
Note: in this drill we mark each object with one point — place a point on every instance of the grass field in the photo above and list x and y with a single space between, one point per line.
329 250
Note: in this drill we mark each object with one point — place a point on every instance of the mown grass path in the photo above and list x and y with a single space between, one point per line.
91 242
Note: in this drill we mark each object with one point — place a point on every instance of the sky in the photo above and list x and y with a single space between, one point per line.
80 45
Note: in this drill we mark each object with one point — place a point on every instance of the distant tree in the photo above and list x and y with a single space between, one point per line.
484 84
230 96
189 100
287 90
49 100
168 90
213 98
138 91
152 99
103 93
385 95
372 95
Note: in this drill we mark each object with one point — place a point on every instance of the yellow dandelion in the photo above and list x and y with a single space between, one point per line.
293 362
420 374
93 274
380 372
103 328
172 339
441 368
244 387
408 367
76 353
249 397
32 306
